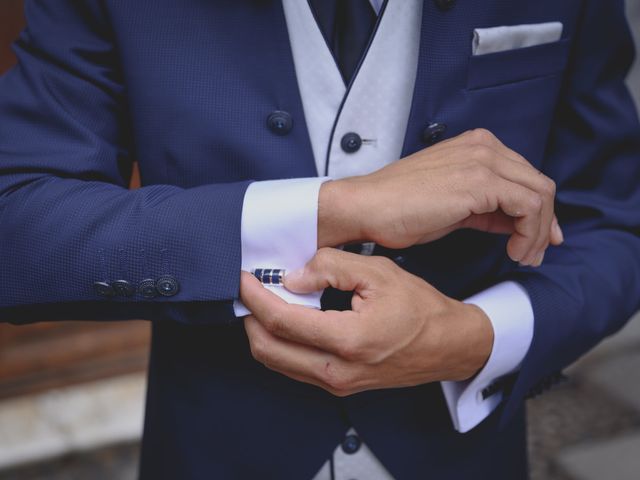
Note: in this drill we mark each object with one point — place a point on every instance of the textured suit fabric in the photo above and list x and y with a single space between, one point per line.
185 88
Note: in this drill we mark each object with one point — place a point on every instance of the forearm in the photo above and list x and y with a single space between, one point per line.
61 238
579 296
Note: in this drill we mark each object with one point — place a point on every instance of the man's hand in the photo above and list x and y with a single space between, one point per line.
470 181
400 332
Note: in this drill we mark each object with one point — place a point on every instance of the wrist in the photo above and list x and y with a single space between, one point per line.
468 335
338 218
480 336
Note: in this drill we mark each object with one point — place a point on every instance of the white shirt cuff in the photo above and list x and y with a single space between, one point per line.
280 230
508 306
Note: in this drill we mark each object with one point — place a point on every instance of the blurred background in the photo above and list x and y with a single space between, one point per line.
72 393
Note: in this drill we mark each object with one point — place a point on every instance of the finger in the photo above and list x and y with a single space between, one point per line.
524 206
557 237
530 177
335 268
494 222
268 350
328 330
302 363
536 253
518 172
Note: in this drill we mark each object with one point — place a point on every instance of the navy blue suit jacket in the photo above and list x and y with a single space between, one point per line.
184 88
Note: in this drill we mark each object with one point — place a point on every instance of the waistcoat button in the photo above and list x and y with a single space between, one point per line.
351 142
351 444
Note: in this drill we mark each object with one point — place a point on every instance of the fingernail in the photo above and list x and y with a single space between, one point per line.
539 260
558 231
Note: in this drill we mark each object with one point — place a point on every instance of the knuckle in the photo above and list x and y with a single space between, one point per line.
550 187
383 263
535 203
258 349
324 256
334 378
482 136
339 392
350 350
379 268
482 153
339 385
521 158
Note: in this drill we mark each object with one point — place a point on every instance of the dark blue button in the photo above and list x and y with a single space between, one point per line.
147 288
104 289
123 288
351 142
433 133
280 122
167 286
351 444
445 5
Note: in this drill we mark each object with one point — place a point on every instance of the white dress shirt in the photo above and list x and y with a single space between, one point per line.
290 216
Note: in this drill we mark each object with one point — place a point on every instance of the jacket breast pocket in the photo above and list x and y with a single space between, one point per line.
512 66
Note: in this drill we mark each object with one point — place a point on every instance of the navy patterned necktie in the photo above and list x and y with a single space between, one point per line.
346 26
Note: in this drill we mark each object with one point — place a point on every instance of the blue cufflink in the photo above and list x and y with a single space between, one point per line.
270 276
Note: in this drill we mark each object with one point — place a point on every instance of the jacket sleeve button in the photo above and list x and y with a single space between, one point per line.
104 289
167 286
147 288
123 288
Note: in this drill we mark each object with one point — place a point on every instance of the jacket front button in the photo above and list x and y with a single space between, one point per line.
351 444
147 288
445 4
351 142
167 286
280 122
104 289
433 133
123 288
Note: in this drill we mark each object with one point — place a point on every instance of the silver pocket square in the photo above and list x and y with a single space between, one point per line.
499 39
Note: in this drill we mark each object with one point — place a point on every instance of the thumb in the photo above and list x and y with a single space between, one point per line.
329 267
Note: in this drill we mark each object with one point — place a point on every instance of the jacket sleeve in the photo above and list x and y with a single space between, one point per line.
588 287
67 219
